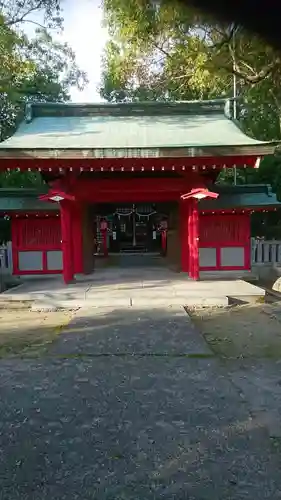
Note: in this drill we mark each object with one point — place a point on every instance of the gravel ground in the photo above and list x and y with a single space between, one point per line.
130 428
164 331
116 409
251 330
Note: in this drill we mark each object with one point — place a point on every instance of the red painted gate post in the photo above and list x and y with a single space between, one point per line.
77 227
103 228
195 216
190 237
164 242
184 236
164 228
67 257
193 239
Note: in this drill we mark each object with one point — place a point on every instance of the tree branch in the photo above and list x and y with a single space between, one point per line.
257 76
275 99
158 47
21 19
227 38
33 22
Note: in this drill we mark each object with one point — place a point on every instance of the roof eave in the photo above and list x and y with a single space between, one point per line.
259 149
253 207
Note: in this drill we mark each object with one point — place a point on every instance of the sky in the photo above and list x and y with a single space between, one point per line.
84 32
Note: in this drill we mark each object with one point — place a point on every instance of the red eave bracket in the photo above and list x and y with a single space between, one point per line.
51 194
201 193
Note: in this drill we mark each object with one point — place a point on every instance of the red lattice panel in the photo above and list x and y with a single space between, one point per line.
224 229
38 234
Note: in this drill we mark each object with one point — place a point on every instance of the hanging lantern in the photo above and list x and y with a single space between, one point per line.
103 225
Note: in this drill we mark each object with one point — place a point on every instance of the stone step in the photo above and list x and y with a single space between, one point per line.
126 301
228 275
15 304
133 250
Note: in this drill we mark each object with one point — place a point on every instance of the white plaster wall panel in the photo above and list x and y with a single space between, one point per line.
54 260
31 261
207 257
232 257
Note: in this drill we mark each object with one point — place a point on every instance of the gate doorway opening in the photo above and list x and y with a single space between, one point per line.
131 229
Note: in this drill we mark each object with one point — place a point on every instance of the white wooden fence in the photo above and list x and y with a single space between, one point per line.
266 252
6 260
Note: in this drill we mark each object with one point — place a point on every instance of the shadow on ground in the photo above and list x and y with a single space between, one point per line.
131 331
130 426
103 331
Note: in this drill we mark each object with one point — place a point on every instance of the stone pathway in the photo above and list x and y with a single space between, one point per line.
119 411
132 287
107 331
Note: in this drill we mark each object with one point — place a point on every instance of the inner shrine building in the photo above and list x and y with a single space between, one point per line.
132 178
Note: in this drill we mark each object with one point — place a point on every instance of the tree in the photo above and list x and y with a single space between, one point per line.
32 68
158 51
164 50
36 68
14 179
257 68
18 12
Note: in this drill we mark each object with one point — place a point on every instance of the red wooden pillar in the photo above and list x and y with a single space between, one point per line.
67 254
196 240
15 244
77 213
164 229
184 235
247 237
164 242
103 228
193 239
88 241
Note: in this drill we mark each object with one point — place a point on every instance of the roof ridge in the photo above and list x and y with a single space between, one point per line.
18 191
244 188
52 109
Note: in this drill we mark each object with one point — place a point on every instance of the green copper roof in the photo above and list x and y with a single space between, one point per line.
131 126
248 196
244 196
24 200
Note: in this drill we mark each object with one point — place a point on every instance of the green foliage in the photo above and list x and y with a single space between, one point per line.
35 68
241 176
14 179
157 51
163 50
270 173
32 68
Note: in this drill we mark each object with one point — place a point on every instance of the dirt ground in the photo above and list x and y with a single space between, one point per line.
251 330
29 333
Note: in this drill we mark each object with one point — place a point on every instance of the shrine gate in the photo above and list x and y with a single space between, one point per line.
131 177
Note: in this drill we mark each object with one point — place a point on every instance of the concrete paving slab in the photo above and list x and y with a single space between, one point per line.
139 287
112 330
195 301
108 301
148 292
